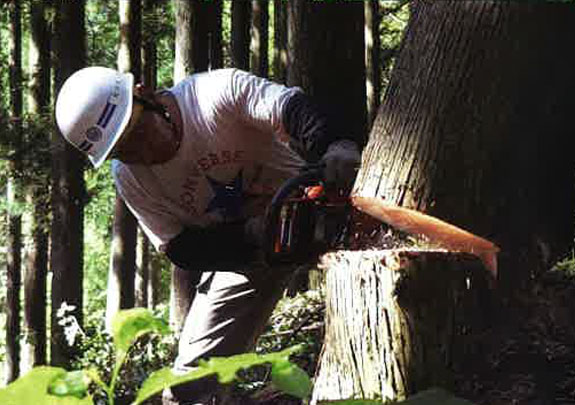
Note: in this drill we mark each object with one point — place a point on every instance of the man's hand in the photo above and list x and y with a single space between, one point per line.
341 161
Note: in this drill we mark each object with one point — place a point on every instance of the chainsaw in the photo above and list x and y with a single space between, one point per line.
305 219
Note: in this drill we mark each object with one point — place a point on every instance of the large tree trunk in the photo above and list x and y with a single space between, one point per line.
68 188
396 321
259 38
13 198
122 272
37 194
241 16
476 126
326 59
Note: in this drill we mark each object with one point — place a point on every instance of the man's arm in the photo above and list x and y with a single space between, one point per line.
288 111
220 247
309 129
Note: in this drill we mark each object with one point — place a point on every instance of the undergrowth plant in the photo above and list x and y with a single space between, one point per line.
57 386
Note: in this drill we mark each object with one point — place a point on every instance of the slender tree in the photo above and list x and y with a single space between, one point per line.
150 273
68 190
144 278
215 36
280 41
142 270
191 41
14 196
259 38
372 62
121 276
197 27
241 16
37 194
198 36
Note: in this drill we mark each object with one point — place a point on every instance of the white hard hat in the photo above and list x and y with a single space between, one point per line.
93 108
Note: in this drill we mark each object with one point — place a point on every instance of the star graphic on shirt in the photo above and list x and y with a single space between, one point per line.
228 197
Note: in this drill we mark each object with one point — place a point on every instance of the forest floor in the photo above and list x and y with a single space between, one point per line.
526 356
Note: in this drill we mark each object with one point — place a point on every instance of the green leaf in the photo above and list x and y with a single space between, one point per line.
128 325
291 379
74 384
225 368
165 378
32 388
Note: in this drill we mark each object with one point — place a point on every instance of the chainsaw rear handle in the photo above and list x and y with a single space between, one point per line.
309 177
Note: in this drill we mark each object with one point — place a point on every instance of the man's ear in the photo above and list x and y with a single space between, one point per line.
143 91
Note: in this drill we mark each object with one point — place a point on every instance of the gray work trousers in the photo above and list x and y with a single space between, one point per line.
230 310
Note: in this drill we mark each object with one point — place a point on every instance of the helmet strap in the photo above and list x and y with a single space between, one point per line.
157 107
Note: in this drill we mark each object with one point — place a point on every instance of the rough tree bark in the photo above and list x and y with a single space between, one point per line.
372 61
13 198
475 126
144 278
142 270
475 129
241 16
37 194
259 38
326 58
68 188
122 272
280 41
215 35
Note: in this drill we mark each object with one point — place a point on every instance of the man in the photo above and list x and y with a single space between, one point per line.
197 164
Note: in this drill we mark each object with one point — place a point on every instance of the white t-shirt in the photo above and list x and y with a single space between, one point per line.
233 156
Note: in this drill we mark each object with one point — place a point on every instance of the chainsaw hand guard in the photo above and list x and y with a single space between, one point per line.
301 222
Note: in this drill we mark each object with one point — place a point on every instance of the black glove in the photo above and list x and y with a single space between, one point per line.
254 231
341 162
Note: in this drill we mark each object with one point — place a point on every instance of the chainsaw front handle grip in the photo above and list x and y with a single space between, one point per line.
311 176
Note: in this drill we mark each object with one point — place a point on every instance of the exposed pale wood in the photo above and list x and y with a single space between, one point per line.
396 321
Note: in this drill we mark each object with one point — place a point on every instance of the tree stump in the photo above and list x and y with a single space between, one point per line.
396 321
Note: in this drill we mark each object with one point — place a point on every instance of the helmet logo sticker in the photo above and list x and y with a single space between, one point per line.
94 134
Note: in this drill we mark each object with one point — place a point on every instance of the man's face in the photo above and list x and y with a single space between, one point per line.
137 144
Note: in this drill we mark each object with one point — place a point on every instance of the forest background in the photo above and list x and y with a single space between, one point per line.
66 272
29 37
